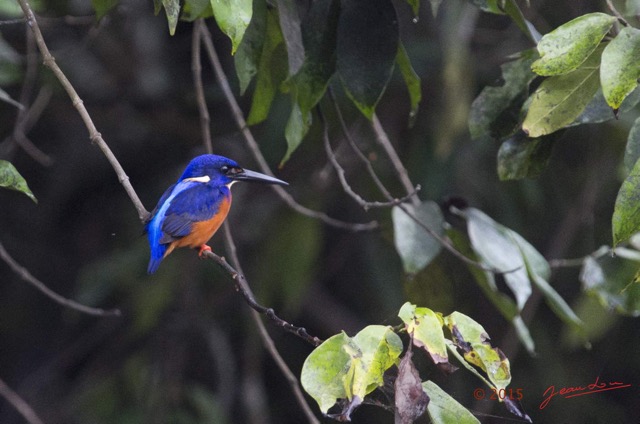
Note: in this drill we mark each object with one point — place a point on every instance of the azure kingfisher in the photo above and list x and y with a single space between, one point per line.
191 211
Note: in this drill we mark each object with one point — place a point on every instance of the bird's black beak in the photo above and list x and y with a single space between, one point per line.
252 176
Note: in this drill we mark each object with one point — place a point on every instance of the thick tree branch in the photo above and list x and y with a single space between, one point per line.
77 102
255 148
26 276
17 402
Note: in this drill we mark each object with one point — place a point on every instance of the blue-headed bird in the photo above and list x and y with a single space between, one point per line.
191 211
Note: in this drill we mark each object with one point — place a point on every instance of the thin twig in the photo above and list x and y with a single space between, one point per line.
264 334
366 205
24 273
255 148
403 174
196 68
17 402
77 102
381 135
617 14
19 128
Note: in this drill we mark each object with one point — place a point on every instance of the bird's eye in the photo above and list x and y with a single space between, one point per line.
224 169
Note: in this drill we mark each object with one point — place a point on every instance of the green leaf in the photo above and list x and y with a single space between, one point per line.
380 348
561 99
512 9
494 107
271 71
632 151
172 10
415 6
102 7
310 83
494 244
443 409
474 342
599 111
620 68
10 178
568 46
248 56
612 279
233 17
521 157
194 9
539 272
366 50
324 369
414 245
425 326
295 130
350 368
292 31
626 212
412 80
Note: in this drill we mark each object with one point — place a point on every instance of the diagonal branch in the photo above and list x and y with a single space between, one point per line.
17 402
26 276
255 148
77 102
266 338
196 68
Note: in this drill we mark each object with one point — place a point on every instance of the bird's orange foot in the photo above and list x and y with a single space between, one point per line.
204 248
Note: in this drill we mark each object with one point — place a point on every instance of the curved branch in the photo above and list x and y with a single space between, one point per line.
77 102
26 276
255 149
366 205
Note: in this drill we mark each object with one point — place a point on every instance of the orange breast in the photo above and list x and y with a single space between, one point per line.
202 231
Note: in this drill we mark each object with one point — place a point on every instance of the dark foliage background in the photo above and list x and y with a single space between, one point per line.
185 350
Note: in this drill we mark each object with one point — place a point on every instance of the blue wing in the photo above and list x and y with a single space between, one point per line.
179 207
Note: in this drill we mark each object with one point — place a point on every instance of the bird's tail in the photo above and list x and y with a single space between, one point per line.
155 260
158 251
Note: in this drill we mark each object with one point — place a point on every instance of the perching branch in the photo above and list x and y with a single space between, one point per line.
267 341
17 402
264 334
23 273
241 284
77 102
255 149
